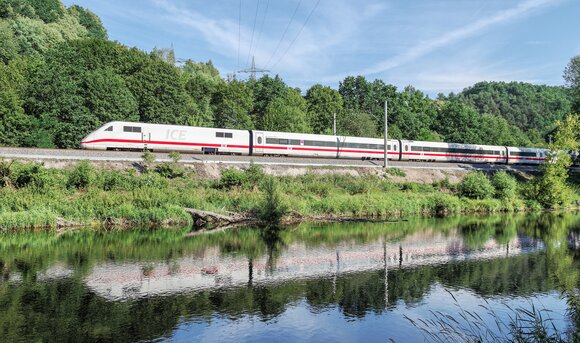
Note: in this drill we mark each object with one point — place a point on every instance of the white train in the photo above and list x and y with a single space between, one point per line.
157 137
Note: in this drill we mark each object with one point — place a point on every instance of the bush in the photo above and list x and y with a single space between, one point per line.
32 175
82 176
254 173
5 171
476 185
175 156
273 209
395 172
169 170
232 178
505 185
148 160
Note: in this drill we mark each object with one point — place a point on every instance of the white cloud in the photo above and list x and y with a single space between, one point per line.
427 46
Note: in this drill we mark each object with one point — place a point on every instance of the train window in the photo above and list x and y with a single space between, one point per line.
523 153
131 129
283 141
259 140
110 128
229 135
395 147
219 134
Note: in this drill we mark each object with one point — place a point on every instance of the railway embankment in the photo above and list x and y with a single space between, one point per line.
149 193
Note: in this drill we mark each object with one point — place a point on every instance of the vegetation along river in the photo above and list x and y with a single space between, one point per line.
314 282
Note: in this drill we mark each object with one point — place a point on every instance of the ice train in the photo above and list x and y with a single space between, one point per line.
187 139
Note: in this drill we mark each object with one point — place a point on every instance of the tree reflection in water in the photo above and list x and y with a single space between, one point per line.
44 292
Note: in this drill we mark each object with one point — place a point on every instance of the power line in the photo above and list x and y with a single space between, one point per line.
297 35
285 31
253 30
261 27
239 32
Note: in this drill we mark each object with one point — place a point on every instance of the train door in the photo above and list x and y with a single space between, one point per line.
259 142
146 137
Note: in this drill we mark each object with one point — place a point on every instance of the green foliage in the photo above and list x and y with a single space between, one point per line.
169 170
148 158
323 102
232 178
90 21
523 105
255 174
273 208
505 185
476 185
8 44
5 173
82 176
395 172
551 189
572 78
287 114
31 175
15 125
232 103
175 156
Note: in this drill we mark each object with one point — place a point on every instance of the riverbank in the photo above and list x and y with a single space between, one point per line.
32 196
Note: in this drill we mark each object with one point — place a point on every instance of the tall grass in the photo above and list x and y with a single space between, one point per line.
524 324
85 195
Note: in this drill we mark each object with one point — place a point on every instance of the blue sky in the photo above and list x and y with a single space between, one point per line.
435 46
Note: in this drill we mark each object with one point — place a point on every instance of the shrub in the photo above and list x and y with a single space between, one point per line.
148 159
505 185
232 178
444 184
395 172
273 209
5 171
81 176
32 175
169 170
175 156
476 185
254 173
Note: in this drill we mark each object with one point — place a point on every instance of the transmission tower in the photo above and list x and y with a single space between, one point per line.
253 70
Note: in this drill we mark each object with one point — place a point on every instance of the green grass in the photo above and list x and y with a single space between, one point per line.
34 196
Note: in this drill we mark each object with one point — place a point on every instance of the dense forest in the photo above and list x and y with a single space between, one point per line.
60 77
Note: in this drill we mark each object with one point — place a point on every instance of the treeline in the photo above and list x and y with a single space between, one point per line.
61 78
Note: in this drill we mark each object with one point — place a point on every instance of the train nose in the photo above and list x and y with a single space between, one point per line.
84 144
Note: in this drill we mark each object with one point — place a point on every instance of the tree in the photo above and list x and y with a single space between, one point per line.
572 78
8 44
90 21
202 83
83 84
323 102
287 114
551 189
358 124
15 125
232 104
265 90
522 104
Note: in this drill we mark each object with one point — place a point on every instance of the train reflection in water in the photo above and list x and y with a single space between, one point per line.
213 270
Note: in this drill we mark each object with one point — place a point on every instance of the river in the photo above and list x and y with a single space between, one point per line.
342 282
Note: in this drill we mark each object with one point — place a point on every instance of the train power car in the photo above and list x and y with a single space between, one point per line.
158 137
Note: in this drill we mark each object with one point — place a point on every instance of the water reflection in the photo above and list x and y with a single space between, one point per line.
143 285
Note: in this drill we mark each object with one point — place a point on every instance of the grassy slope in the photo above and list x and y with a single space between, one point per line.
125 197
